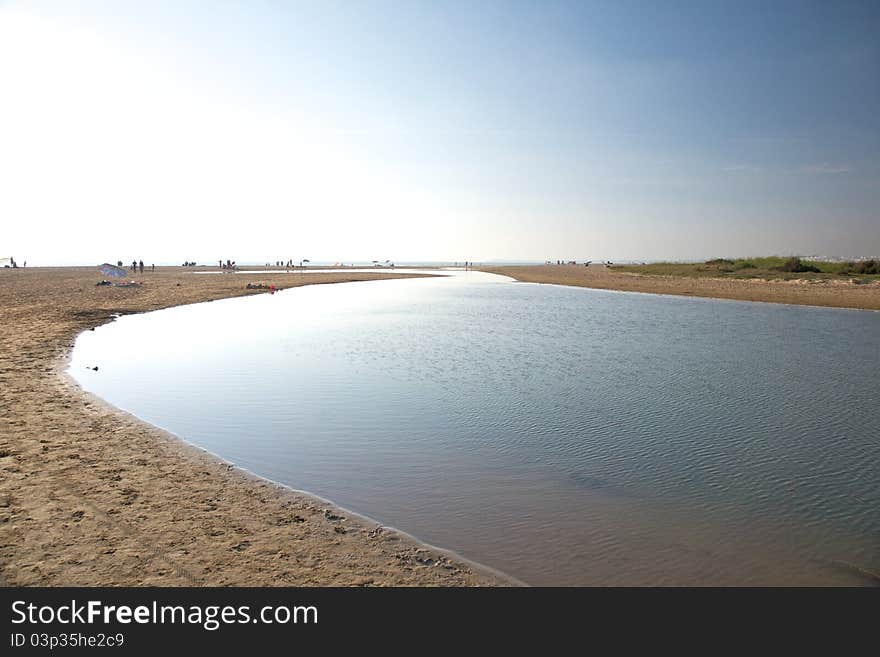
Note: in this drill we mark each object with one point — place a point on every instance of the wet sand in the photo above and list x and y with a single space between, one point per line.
90 495
833 293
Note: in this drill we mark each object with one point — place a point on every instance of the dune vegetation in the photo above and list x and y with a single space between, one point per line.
768 267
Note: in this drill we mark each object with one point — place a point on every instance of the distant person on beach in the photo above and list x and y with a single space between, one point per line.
141 266
153 267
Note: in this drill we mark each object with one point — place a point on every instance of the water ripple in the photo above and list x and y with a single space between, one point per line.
568 436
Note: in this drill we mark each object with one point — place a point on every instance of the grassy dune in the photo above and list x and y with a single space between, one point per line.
771 267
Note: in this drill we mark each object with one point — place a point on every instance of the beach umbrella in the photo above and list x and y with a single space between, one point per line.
112 270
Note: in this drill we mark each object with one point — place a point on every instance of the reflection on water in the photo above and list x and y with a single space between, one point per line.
330 270
563 435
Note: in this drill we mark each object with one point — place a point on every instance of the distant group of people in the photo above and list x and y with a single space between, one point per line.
136 266
290 264
229 264
13 264
467 265
587 263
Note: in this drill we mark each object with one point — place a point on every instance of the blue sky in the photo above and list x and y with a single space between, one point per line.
411 130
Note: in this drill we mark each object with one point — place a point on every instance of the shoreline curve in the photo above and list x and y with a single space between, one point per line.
92 495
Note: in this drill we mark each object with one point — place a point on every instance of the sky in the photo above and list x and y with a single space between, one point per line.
437 131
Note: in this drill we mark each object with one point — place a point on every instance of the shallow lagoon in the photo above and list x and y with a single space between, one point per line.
562 435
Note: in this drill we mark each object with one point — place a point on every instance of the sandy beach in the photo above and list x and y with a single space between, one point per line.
90 495
832 293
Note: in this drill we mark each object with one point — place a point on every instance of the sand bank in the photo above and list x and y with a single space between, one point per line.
833 293
90 495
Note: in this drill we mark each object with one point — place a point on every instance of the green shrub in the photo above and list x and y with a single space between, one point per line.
797 266
867 267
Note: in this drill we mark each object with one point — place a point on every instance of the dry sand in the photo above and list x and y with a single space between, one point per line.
90 495
839 294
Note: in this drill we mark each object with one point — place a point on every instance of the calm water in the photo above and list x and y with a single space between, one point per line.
562 435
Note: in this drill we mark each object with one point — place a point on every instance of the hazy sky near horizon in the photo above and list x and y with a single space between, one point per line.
438 131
